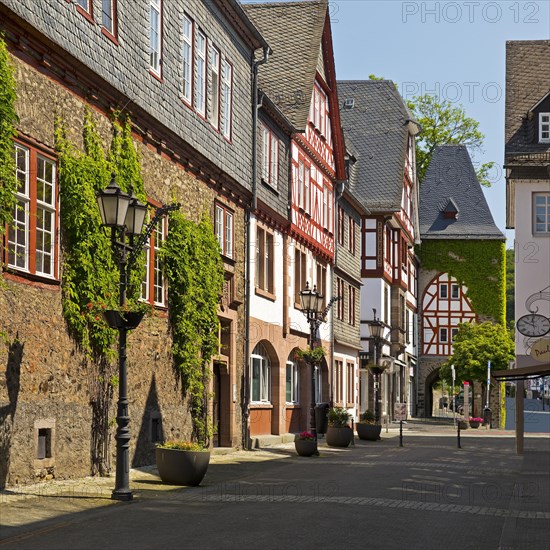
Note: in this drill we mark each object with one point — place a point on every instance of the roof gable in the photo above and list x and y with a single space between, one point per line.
527 86
376 127
294 31
451 187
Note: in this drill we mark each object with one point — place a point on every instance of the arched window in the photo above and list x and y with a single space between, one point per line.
292 381
260 387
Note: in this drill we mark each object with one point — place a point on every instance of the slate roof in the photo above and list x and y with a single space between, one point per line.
376 130
294 31
527 83
451 177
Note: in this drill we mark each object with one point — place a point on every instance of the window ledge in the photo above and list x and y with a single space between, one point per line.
266 294
261 406
293 405
32 280
271 187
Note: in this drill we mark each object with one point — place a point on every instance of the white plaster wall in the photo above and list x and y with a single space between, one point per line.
532 257
262 308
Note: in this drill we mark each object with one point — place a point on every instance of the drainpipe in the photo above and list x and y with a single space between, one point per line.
248 214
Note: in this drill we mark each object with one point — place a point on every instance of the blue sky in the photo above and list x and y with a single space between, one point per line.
454 49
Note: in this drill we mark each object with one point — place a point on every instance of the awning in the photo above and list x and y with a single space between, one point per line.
523 373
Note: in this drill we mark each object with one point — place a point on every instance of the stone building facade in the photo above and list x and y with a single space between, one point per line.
197 152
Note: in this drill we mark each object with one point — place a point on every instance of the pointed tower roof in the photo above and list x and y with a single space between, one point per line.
294 31
452 203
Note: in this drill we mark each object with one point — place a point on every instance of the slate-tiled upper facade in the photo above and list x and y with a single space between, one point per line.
527 83
126 66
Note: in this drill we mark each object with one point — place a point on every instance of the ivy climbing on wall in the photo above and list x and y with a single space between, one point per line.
195 276
8 120
90 273
479 265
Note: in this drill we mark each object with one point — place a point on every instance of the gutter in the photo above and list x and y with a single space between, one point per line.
248 257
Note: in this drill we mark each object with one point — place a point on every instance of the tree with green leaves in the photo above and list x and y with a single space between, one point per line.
445 124
474 346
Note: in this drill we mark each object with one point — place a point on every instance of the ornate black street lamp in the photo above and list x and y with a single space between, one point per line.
125 215
312 301
376 329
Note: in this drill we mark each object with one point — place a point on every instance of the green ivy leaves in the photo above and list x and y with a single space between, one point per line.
8 120
195 278
480 265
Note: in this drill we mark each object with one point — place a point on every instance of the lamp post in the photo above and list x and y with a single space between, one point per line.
376 328
311 302
125 215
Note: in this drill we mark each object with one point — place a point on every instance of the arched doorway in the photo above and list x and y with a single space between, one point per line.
431 380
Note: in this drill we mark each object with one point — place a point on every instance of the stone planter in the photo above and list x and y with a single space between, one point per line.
129 320
463 425
179 467
474 424
368 432
305 447
339 437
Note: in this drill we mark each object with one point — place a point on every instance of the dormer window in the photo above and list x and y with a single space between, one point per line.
544 127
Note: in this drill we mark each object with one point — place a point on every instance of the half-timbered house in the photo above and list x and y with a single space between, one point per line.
381 131
299 80
453 213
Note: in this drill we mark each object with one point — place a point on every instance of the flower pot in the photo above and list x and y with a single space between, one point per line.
129 320
339 437
474 424
180 467
462 424
368 432
305 447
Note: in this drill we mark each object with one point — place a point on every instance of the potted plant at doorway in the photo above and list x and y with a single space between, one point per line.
305 444
367 427
182 462
475 421
339 434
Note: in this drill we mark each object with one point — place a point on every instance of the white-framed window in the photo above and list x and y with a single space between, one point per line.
86 5
301 176
260 365
153 285
227 97
454 332
223 227
155 35
544 127
265 260
270 157
214 95
307 188
187 55
31 237
455 291
108 15
292 383
444 291
325 208
443 335
541 212
200 74
300 274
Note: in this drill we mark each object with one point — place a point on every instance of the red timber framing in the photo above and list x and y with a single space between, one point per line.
318 161
444 306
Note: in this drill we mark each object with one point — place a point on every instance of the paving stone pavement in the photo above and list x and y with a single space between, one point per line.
426 494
